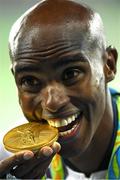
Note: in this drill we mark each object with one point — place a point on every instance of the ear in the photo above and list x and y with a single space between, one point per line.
110 65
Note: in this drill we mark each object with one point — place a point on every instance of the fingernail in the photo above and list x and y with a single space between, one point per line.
47 152
56 146
27 156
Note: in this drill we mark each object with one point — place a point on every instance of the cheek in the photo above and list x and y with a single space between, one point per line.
100 90
27 105
98 78
99 95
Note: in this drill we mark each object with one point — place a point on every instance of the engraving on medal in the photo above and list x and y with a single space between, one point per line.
32 136
26 137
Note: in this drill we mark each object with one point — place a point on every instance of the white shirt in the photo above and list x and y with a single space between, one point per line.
72 175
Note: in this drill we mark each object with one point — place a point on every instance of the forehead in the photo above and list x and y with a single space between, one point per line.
56 24
55 35
55 45
52 39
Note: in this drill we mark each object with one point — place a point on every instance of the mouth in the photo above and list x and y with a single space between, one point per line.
67 126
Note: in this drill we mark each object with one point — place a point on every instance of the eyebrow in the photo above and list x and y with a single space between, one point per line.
61 62
26 68
71 59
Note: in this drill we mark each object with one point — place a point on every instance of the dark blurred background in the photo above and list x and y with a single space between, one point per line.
10 10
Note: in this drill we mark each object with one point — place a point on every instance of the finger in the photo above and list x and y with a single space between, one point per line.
56 147
41 160
39 171
48 151
44 152
26 167
16 159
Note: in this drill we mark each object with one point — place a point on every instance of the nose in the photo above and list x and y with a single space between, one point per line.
54 97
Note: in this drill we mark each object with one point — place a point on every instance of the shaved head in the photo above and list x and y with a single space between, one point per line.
63 18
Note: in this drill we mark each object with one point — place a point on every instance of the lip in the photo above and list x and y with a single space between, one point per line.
74 131
67 125
70 129
59 116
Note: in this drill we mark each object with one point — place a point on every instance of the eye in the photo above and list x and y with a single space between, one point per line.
72 75
30 83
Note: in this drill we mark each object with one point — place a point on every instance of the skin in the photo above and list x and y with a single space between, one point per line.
61 66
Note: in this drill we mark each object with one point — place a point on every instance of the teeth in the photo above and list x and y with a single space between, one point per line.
69 120
52 123
63 122
67 132
73 117
76 115
57 124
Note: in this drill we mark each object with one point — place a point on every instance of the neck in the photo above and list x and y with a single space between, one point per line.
91 159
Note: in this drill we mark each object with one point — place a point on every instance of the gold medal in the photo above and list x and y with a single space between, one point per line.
30 136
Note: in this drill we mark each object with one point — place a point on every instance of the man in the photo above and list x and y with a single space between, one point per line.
62 67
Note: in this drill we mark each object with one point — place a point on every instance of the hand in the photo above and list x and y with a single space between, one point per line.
29 165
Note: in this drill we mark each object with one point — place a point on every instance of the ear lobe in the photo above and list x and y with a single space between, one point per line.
111 61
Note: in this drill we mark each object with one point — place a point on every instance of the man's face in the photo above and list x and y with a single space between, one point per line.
60 79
